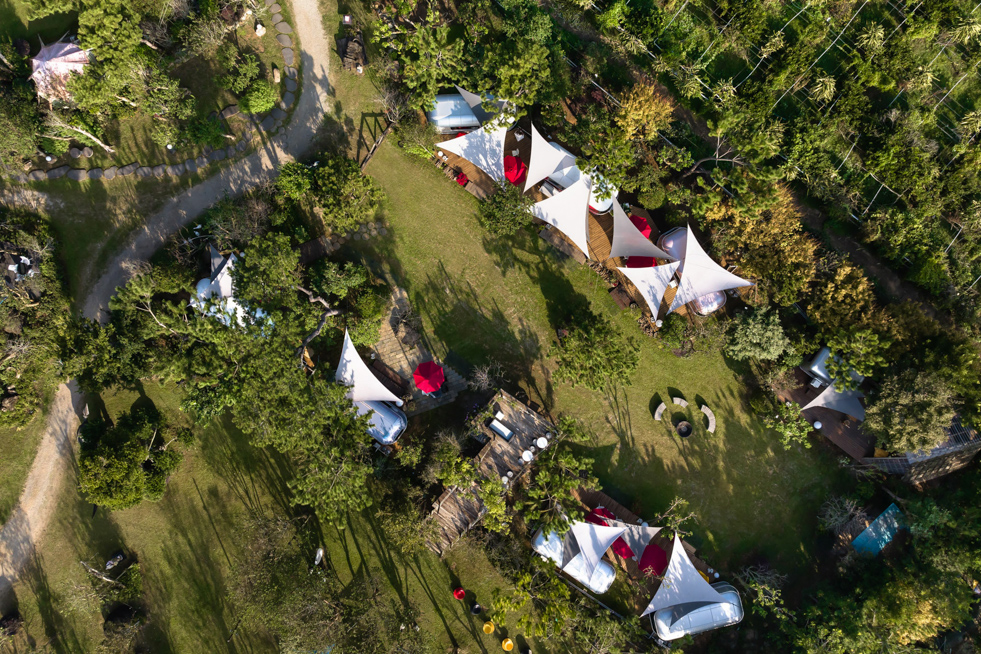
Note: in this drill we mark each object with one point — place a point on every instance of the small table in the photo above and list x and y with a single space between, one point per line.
542 442
527 456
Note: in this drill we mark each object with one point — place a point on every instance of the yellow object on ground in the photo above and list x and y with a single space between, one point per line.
704 576
488 627
507 644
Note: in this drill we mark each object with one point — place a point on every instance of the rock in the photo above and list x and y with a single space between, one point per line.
96 173
242 145
287 100
277 18
275 8
87 151
229 111
270 3
55 173
284 40
175 170
288 56
128 169
207 150
267 123
77 174
143 171
284 28
276 75
74 153
260 29
217 155
190 166
9 403
231 152
291 72
110 172
159 171
291 85
201 162
20 178
37 175
277 113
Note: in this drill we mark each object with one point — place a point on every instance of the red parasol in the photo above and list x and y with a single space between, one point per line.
655 559
428 376
462 179
641 225
640 262
515 170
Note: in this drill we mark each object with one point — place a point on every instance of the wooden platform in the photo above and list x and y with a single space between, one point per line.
847 436
481 184
455 513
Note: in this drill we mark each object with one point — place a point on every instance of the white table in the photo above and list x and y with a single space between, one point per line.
527 456
542 442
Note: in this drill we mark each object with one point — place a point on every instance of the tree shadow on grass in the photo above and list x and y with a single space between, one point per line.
59 629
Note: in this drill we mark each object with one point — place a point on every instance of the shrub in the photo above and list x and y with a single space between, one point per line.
507 211
295 180
758 335
652 199
206 131
260 98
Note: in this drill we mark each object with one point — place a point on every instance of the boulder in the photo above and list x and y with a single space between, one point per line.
277 114
87 151
159 171
284 28
74 153
110 172
55 173
128 169
37 175
287 100
267 123
276 8
175 170
242 145
260 29
217 155
270 3
77 174
20 178
201 162
143 171
277 18
96 173
288 56
291 72
284 40
190 166
291 85
229 111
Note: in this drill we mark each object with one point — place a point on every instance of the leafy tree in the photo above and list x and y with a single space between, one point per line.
910 412
758 335
267 271
121 465
347 196
841 299
260 98
593 353
507 211
551 612
110 28
19 125
493 494
243 69
789 424
855 349
519 71
429 59
294 181
644 112
330 278
41 8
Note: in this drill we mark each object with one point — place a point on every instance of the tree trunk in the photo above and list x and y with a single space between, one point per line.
95 573
55 121
378 142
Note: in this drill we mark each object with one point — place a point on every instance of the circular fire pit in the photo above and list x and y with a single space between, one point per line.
683 428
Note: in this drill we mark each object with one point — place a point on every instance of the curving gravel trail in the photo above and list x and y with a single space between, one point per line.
36 505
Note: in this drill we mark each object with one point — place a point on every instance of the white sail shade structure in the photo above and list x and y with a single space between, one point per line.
593 541
637 537
476 104
628 241
846 402
652 282
483 148
545 159
53 67
683 588
353 372
700 275
566 211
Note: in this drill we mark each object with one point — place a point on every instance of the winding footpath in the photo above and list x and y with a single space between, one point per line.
37 503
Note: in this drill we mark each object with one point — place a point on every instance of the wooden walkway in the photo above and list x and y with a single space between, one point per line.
481 184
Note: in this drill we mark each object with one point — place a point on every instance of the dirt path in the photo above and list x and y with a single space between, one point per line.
37 502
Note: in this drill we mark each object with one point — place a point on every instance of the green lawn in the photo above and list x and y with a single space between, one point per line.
18 447
14 23
187 542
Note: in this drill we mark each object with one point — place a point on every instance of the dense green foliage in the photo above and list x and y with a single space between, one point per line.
594 354
507 211
347 197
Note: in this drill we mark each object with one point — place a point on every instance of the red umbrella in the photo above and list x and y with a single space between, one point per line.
514 170
594 519
428 376
642 225
654 559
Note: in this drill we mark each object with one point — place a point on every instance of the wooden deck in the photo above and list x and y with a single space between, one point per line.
455 513
481 184
836 427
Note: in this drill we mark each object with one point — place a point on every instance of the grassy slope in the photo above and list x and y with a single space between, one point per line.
18 447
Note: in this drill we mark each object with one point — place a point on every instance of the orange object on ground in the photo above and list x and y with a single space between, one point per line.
507 645
488 627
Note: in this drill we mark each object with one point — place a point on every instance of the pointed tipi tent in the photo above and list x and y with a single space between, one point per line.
593 541
483 148
628 241
567 212
701 275
352 371
682 588
53 67
545 159
846 402
651 282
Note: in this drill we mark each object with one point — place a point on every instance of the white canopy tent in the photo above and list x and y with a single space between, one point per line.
593 541
652 282
701 275
628 241
352 371
476 104
545 159
54 65
846 402
483 148
215 295
637 537
682 587
567 211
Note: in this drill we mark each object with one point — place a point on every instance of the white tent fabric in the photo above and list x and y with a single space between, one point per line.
652 282
352 371
637 537
593 542
483 148
701 275
567 211
53 65
215 295
682 584
846 402
545 159
628 241
476 104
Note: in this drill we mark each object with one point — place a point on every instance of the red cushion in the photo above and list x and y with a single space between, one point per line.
462 179
640 262
641 225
